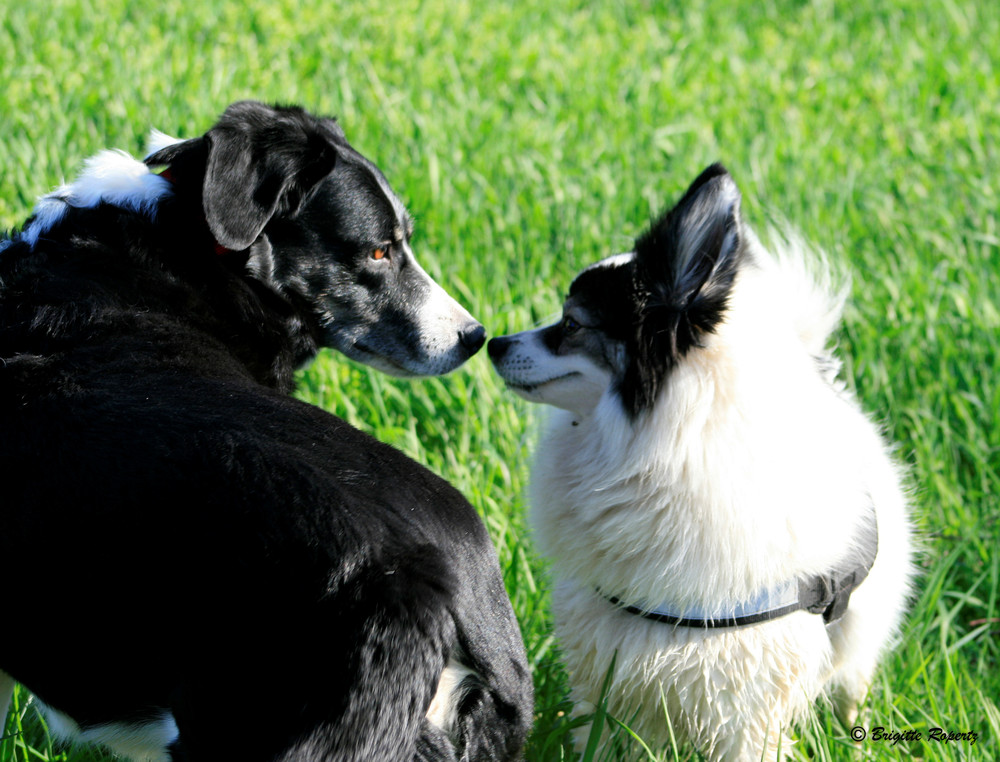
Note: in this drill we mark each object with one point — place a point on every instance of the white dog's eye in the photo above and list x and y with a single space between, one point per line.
570 326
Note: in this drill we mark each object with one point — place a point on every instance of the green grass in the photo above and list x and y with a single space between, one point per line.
532 138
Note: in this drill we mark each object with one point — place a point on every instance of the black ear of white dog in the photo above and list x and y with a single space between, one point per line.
688 260
260 162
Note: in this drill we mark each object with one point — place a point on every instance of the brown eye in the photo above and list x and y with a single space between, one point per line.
378 254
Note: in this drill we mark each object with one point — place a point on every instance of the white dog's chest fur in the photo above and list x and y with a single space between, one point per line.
720 494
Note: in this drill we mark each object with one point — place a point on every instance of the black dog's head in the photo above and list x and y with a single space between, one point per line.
323 228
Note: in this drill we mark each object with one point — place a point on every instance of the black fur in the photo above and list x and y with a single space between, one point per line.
180 534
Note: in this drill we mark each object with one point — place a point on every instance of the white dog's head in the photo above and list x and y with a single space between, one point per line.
631 317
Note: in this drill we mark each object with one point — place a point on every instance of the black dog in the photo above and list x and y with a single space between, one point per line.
226 572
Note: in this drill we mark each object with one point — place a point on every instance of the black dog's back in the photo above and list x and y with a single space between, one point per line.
238 567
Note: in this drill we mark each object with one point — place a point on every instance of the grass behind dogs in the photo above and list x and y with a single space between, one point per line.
530 139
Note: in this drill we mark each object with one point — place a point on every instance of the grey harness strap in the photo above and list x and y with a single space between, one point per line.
827 594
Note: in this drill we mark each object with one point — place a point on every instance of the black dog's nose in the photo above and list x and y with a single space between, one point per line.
498 347
473 336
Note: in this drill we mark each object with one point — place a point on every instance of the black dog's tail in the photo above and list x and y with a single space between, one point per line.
496 701
424 617
384 638
348 679
487 719
402 635
482 707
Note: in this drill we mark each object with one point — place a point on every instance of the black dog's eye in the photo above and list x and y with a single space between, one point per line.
379 253
570 326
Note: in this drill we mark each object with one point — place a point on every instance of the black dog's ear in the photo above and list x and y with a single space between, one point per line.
258 162
688 260
182 151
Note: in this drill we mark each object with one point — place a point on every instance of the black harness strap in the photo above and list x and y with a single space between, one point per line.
732 621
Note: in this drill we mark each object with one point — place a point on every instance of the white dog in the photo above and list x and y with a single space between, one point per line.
718 511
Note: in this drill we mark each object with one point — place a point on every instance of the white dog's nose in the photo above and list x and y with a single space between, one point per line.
498 347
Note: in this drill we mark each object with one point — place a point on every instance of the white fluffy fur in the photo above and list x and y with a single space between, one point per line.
147 742
752 470
157 141
112 177
443 711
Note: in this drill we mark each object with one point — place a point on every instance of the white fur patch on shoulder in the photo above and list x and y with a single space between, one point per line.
110 177
157 141
116 178
48 212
